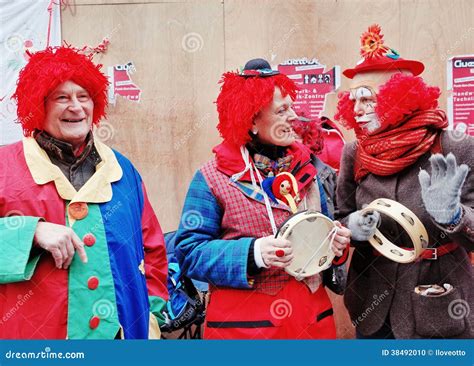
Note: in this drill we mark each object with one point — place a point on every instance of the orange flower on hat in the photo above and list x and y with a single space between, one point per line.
372 43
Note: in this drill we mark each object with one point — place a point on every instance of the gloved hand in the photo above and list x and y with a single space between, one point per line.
441 193
363 225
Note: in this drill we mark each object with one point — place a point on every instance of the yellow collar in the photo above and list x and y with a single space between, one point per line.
96 190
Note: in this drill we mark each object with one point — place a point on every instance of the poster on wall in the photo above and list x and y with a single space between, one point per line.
25 25
460 77
314 81
121 83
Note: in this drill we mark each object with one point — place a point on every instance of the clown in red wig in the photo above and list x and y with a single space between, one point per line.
232 212
44 72
404 153
63 252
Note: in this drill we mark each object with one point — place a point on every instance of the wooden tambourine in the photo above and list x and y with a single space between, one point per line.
310 234
408 221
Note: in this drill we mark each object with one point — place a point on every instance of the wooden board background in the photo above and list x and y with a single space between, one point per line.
180 49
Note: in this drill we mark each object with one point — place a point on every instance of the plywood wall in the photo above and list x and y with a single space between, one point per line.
180 49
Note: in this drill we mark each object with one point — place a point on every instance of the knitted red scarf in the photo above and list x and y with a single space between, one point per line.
389 152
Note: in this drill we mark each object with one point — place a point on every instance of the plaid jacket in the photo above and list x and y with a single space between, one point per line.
219 222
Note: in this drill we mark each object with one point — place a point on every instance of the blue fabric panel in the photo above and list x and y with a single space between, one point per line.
122 220
200 252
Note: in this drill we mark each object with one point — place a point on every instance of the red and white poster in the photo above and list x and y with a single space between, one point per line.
121 83
314 81
461 100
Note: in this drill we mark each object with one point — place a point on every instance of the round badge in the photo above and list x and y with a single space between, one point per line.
78 210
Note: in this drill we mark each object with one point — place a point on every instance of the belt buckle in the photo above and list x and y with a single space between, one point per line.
434 254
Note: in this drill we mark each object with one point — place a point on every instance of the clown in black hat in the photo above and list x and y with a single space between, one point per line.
235 204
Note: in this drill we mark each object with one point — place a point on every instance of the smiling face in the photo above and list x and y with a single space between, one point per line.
69 110
273 123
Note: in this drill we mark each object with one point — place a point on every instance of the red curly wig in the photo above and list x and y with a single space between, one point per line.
44 72
311 134
240 100
398 98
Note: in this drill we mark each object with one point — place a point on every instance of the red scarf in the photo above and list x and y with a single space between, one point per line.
229 161
391 151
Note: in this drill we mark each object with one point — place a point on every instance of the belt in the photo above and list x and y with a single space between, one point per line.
431 254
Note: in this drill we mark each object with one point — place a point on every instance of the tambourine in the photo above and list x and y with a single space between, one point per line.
310 234
408 221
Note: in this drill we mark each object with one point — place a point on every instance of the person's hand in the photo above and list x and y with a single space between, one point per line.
341 240
441 192
61 242
275 252
363 225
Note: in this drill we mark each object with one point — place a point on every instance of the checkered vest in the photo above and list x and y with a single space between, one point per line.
246 216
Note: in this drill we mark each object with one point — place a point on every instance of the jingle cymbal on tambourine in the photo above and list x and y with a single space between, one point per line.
310 234
408 221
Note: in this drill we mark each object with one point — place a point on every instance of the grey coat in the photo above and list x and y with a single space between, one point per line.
379 289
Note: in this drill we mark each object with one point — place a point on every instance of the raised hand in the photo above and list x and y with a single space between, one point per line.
441 192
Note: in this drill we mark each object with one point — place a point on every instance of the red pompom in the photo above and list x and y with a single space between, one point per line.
311 134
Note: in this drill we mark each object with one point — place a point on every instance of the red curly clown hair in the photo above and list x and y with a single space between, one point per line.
44 72
398 98
311 133
240 100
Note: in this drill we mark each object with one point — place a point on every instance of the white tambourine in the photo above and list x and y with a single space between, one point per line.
408 221
310 234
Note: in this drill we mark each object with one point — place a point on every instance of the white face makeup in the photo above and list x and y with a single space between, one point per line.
365 101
